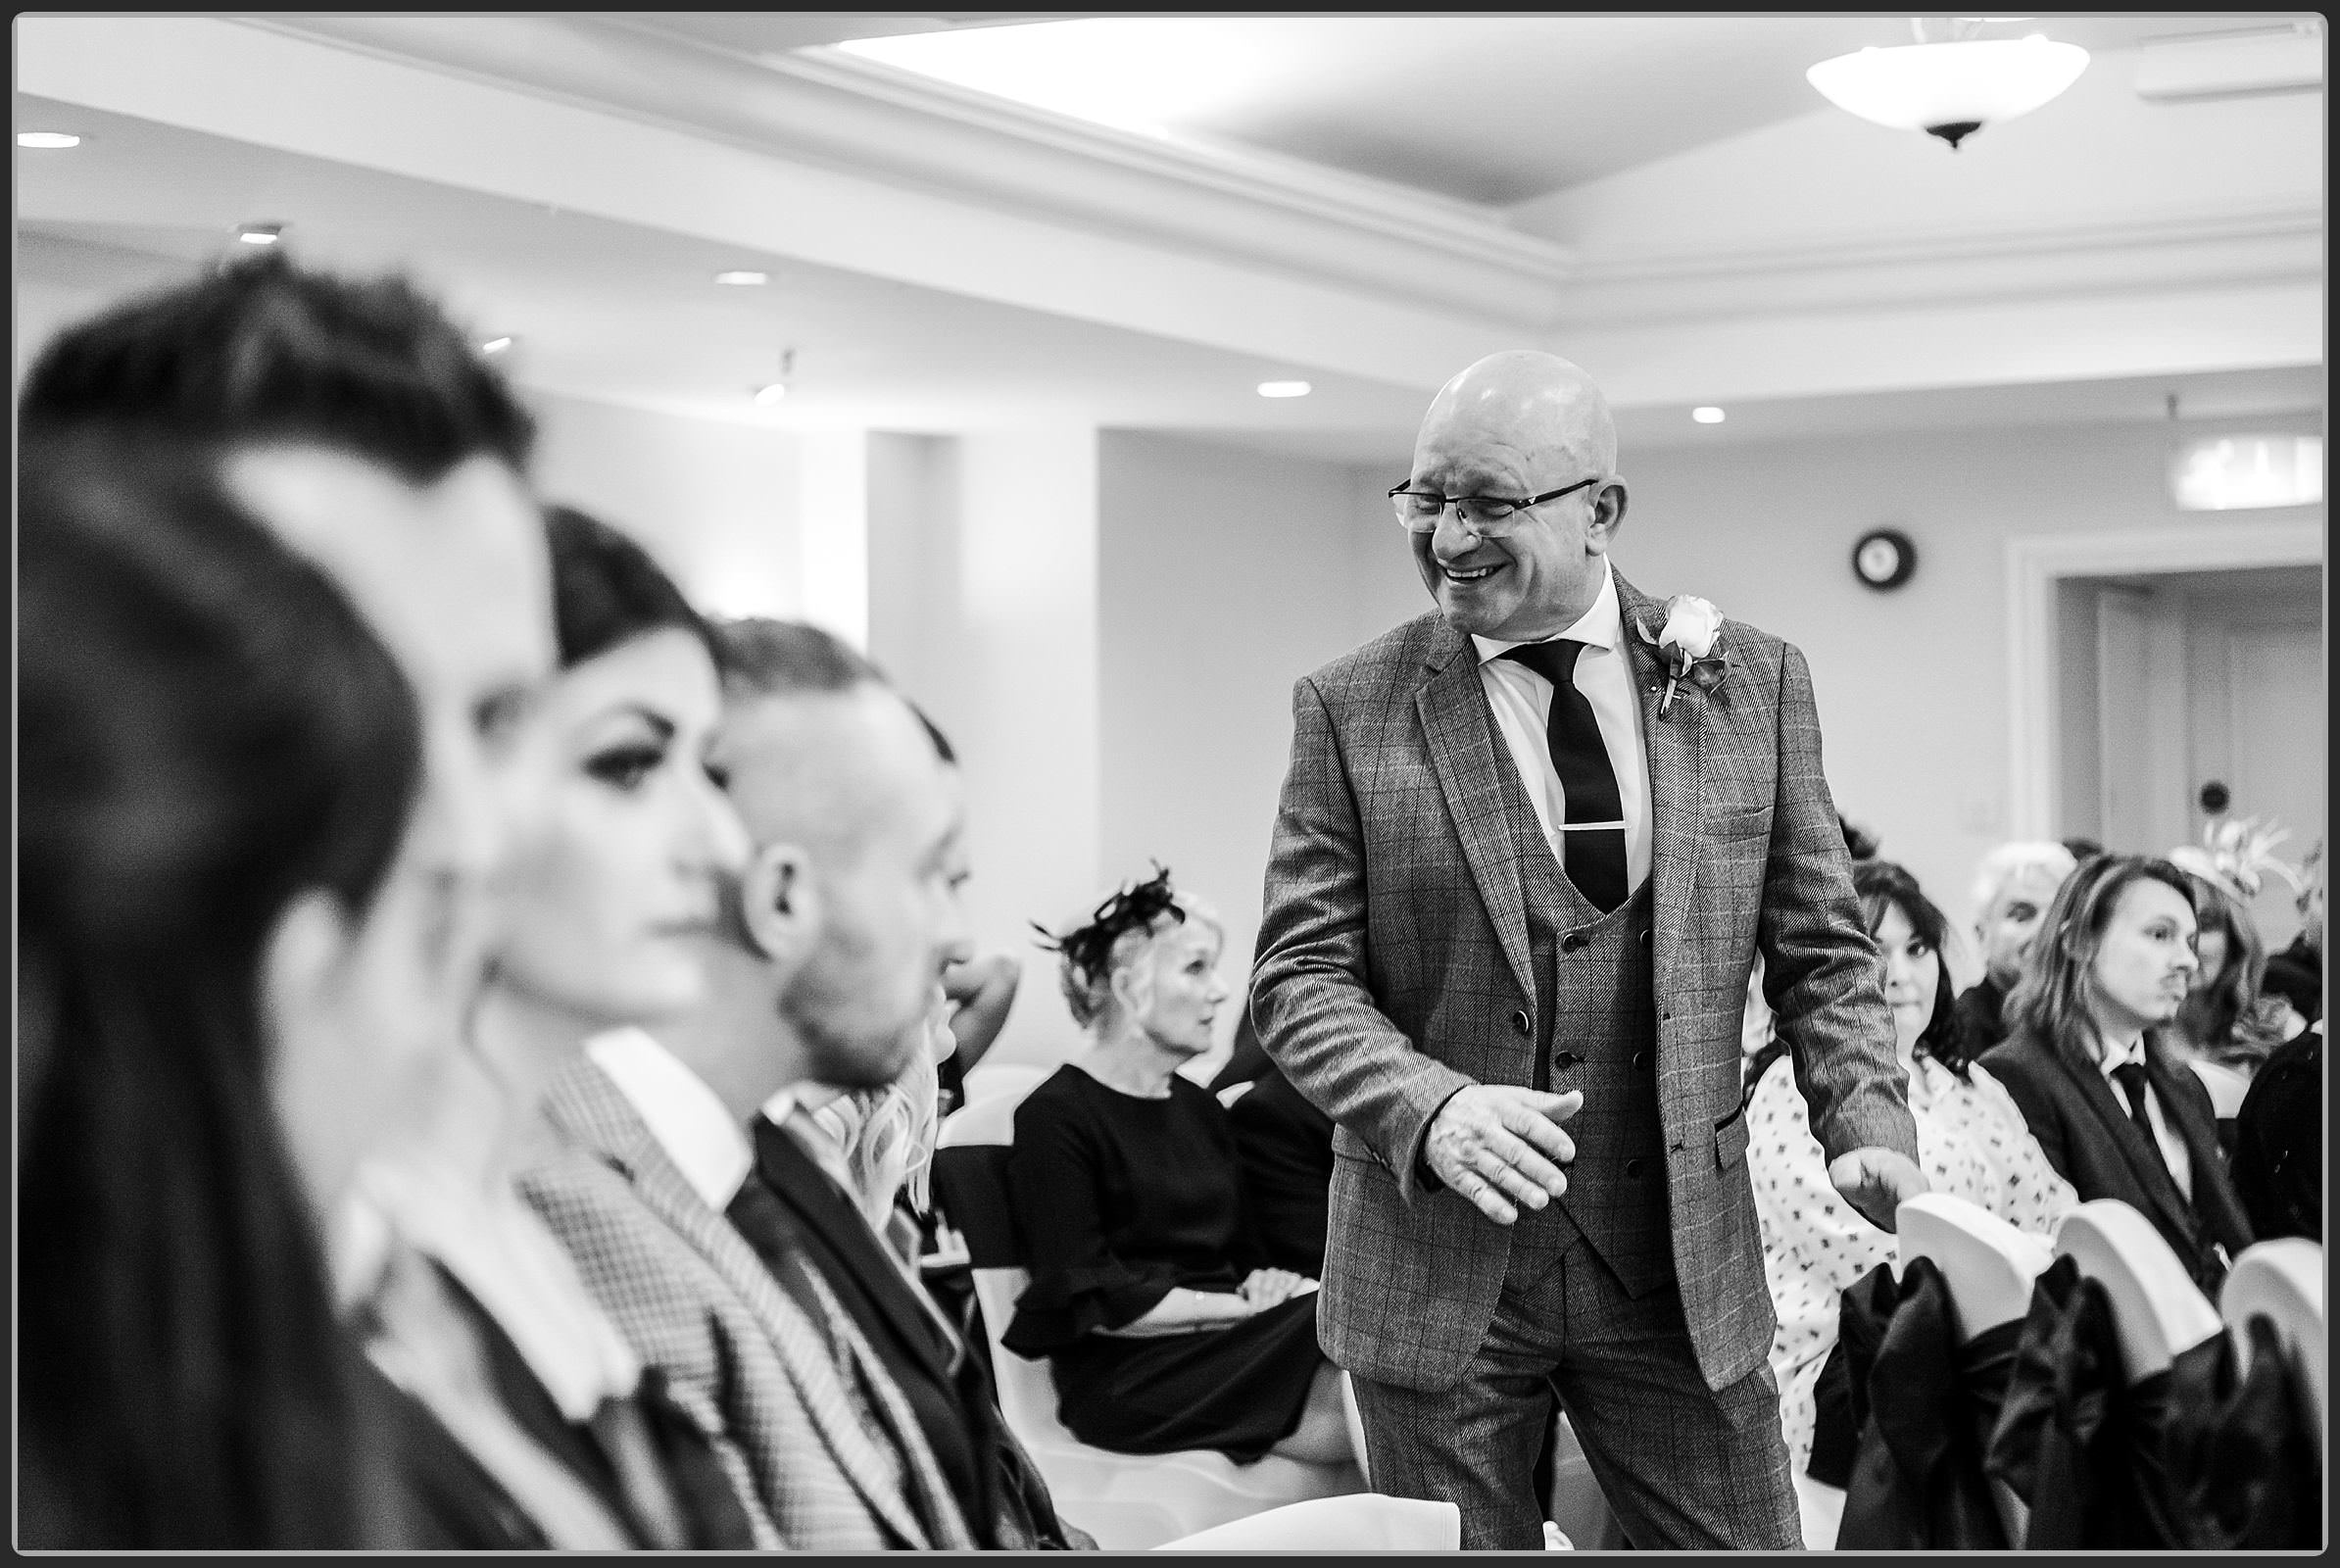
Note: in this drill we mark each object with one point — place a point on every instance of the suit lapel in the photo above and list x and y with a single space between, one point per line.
806 1189
1453 710
2144 1159
611 1126
1671 746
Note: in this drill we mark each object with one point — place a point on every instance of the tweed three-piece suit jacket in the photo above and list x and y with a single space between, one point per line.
818 1467
1394 968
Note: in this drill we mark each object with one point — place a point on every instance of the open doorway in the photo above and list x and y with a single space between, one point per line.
2174 682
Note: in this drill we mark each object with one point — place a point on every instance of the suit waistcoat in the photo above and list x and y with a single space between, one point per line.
1596 1031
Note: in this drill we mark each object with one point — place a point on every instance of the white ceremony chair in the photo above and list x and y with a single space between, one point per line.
1129 1502
1365 1522
2282 1280
2157 1311
2226 1088
994 1079
1989 1267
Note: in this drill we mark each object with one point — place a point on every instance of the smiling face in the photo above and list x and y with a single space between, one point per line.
2145 960
1913 974
1174 987
612 890
1515 425
2007 926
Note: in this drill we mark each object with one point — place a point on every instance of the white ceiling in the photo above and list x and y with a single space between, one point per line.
625 311
622 314
1491 108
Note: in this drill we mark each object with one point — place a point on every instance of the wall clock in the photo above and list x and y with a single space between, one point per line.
1884 557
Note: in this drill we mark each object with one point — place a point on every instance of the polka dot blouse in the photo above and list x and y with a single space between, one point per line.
1971 1143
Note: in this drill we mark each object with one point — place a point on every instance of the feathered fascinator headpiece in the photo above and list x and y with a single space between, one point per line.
2239 854
1089 947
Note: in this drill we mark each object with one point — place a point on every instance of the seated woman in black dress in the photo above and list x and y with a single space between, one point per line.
1149 1294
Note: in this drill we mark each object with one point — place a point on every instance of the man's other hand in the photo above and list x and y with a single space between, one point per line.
1500 1146
1876 1182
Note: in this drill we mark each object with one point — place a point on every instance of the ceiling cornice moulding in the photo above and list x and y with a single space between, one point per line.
2167 250
873 119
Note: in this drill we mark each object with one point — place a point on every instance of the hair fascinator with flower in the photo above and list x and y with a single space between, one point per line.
2239 854
1087 949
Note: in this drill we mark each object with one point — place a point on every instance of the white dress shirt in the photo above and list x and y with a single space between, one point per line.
1521 701
687 1118
2173 1149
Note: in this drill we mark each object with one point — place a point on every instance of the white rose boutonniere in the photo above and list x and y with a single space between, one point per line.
1689 645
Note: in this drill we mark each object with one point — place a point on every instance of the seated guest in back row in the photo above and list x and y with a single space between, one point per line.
1971 1144
1163 1324
2118 1117
2013 888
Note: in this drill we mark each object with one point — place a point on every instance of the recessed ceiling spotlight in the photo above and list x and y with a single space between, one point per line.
259 233
1285 389
767 396
1707 415
47 139
494 345
744 279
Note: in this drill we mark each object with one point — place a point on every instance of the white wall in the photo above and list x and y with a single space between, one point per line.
716 503
1912 683
1225 575
983 570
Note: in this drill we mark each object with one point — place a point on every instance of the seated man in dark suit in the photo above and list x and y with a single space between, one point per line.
2116 1117
839 998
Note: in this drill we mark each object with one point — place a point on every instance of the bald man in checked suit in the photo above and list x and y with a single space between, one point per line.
1512 905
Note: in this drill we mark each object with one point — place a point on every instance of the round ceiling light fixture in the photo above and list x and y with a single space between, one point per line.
47 140
1285 389
1950 88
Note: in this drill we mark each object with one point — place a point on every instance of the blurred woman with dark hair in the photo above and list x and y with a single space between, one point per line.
2118 1116
1971 1143
218 763
469 1300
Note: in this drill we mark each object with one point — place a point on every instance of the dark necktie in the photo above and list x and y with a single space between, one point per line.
2131 1076
1594 835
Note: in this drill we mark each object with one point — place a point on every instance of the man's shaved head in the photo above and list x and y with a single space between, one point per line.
1513 425
1530 401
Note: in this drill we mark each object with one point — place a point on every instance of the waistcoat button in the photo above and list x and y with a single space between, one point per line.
1641 1059
1632 1167
1522 1022
1645 939
1566 1058
1573 941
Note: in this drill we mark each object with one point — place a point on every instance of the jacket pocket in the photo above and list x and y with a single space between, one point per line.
1730 1139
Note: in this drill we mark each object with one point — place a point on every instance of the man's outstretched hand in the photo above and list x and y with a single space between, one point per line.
1876 1182
1500 1146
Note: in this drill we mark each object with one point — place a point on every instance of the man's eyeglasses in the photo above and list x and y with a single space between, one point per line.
1489 516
